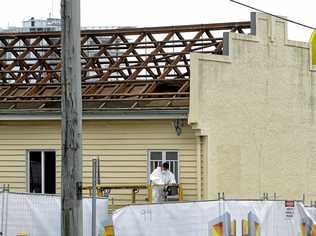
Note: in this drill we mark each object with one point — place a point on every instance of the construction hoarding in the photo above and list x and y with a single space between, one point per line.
216 218
39 214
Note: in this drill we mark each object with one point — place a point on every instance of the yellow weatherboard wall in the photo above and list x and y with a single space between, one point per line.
312 42
121 146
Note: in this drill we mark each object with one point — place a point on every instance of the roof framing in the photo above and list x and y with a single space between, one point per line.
130 68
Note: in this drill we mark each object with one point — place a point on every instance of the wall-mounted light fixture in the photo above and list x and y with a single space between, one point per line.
177 125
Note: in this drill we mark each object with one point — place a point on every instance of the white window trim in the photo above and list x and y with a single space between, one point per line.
163 151
42 151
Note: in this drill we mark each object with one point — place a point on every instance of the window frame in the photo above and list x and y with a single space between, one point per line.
163 151
42 151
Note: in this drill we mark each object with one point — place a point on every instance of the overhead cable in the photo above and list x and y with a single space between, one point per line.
280 17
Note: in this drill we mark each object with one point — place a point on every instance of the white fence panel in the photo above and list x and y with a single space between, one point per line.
38 214
215 218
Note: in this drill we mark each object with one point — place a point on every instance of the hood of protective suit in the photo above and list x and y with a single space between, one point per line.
162 177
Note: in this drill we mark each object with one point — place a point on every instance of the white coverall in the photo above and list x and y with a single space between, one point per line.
160 177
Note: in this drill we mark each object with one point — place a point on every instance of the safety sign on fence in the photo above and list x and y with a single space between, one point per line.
216 218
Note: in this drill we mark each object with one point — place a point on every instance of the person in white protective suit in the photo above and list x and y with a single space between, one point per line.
161 176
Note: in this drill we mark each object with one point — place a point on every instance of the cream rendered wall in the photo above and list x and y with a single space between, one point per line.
121 146
256 106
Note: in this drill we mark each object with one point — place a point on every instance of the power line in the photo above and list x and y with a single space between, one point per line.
280 17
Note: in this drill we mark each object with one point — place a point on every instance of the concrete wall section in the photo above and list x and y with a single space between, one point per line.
257 106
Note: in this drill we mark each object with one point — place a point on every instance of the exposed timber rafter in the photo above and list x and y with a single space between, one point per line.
123 68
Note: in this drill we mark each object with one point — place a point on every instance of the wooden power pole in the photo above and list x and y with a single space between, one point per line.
71 205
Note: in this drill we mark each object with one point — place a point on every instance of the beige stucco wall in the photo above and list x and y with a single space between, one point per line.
256 106
121 146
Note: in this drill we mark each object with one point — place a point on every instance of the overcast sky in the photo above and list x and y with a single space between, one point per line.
162 12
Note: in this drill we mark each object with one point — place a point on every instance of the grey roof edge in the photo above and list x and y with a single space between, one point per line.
115 114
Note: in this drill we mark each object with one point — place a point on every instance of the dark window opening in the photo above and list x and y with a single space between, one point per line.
50 172
42 172
35 172
32 22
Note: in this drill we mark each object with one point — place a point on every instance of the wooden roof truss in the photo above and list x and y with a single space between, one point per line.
131 68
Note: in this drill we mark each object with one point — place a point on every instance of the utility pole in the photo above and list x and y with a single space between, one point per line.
71 192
